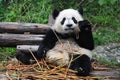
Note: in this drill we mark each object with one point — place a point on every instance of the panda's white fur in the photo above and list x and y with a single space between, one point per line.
60 54
58 57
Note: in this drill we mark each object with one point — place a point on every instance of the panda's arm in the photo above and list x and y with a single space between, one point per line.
85 39
47 44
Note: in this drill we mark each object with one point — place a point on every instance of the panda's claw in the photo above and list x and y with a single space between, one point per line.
83 72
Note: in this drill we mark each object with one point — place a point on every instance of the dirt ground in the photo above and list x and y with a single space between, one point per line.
43 71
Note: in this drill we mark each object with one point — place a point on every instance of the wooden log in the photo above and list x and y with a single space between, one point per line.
20 28
33 48
11 40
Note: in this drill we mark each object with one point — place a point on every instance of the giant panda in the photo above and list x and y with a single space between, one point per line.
68 42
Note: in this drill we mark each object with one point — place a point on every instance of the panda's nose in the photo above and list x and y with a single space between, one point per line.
69 25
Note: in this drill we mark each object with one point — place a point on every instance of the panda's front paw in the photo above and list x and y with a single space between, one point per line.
41 54
84 23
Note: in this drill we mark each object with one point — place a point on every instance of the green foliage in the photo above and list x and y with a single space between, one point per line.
105 35
27 11
64 4
105 2
107 18
6 53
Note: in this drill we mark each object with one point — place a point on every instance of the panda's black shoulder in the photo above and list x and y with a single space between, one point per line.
50 36
59 35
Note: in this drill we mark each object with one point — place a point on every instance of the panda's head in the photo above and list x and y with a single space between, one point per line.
66 21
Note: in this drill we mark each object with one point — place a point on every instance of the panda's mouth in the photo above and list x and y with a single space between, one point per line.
69 29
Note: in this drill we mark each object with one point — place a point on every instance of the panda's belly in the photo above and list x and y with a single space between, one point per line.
60 54
68 46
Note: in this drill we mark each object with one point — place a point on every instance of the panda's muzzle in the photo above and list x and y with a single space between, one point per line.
71 29
69 25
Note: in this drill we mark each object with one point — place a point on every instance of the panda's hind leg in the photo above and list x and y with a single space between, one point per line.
24 57
81 64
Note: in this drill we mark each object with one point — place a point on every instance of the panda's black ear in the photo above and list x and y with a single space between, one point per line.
55 13
80 10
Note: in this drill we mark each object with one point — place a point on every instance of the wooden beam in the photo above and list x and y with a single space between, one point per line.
12 40
20 28
33 48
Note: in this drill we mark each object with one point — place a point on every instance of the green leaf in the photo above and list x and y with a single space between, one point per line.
101 2
113 1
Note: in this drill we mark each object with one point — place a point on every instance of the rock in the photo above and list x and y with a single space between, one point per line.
110 52
3 77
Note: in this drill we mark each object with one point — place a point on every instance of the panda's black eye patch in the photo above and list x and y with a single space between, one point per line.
63 20
75 21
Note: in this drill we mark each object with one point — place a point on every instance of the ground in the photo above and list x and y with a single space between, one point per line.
15 70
